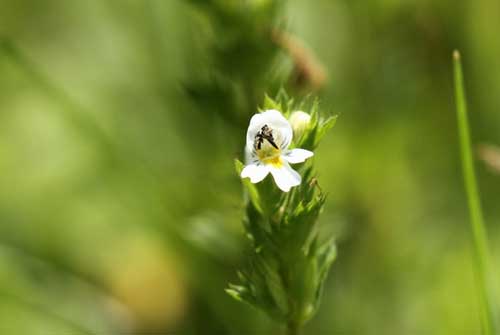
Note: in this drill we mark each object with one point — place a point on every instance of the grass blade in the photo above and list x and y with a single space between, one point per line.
479 235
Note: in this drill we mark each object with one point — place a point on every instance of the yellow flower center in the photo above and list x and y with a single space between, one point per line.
270 156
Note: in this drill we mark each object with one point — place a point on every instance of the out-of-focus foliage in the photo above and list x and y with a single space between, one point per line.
242 51
120 211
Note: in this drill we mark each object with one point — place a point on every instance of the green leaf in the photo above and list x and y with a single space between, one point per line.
275 284
327 254
238 165
271 104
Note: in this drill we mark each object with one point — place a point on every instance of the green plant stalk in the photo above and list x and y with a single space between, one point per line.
479 235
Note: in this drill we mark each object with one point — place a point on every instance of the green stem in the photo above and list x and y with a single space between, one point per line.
479 235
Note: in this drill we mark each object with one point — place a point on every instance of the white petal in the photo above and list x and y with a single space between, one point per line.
282 130
250 157
285 177
256 172
297 155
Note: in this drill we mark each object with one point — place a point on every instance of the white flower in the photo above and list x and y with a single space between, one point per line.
268 137
299 121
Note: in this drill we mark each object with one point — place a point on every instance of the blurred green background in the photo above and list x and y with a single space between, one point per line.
120 211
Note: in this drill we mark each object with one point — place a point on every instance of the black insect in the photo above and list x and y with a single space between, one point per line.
265 133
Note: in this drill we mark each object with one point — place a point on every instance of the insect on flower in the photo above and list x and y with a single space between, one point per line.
268 137
265 133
